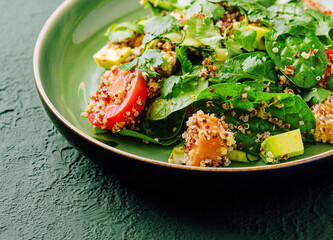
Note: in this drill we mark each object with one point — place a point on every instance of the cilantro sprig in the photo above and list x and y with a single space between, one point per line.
158 25
207 8
185 63
241 39
151 58
205 31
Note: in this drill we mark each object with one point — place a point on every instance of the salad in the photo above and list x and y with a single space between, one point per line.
220 80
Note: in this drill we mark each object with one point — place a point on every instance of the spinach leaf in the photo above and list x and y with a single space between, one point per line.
151 58
163 132
134 134
171 86
204 30
158 25
253 10
241 39
317 95
166 128
290 110
300 57
256 66
106 136
249 140
177 95
206 7
287 17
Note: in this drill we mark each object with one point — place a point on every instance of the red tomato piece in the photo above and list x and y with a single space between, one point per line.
329 69
118 101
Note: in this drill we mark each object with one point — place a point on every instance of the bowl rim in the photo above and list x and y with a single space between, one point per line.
38 81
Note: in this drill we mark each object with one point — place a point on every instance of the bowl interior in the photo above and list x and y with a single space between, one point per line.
69 75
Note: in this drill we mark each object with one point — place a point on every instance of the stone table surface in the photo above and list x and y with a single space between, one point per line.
48 190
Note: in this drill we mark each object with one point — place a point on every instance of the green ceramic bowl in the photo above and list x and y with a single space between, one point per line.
66 75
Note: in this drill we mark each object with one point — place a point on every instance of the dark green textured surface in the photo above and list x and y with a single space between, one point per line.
50 191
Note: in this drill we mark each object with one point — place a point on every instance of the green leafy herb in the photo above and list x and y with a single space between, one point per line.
177 93
151 58
287 17
265 3
171 85
205 31
324 24
292 54
290 109
166 128
158 25
290 18
256 66
207 8
241 39
134 134
317 95
285 109
253 10
330 82
184 61
250 140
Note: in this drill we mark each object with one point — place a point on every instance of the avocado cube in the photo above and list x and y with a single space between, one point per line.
238 156
282 146
112 55
177 154
221 54
252 158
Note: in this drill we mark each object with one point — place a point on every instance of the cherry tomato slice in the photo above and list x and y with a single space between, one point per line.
328 72
119 99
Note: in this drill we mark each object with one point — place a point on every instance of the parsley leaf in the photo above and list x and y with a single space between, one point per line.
151 58
206 7
158 25
205 31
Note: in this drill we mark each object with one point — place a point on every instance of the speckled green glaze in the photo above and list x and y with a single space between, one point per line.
68 75
48 190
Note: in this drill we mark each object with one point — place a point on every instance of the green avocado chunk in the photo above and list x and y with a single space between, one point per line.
240 156
251 157
111 55
282 146
177 154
